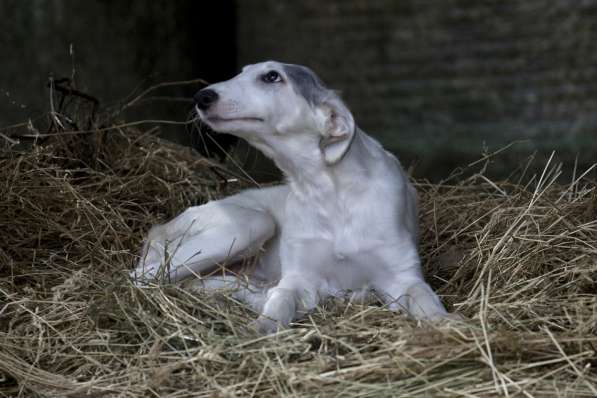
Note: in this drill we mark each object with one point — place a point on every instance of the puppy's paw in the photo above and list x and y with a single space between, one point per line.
137 279
143 279
263 325
445 318
455 316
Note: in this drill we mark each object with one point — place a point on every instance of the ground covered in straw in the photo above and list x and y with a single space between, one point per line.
518 259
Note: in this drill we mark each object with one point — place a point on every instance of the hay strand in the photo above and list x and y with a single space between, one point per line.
517 259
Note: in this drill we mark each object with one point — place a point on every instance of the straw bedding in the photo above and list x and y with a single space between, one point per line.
517 259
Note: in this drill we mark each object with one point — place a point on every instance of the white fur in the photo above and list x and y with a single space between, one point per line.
345 221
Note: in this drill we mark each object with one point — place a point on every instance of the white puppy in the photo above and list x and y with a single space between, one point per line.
345 221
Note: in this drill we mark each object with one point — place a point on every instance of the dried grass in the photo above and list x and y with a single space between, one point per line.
517 259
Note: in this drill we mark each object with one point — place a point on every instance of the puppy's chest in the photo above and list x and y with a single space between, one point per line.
345 232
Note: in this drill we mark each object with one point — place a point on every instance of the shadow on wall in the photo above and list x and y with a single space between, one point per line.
441 81
113 50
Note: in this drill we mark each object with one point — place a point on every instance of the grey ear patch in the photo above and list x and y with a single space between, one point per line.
306 83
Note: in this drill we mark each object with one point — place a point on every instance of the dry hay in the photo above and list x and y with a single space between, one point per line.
517 259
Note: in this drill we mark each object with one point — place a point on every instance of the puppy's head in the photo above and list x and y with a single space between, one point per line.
282 109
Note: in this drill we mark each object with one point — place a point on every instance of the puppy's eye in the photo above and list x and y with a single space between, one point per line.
271 77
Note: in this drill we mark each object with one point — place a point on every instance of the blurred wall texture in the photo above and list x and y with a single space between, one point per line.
437 81
114 50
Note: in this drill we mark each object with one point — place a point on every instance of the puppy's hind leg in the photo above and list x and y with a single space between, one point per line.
204 236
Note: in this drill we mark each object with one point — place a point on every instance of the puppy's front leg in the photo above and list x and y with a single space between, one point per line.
291 298
404 288
415 297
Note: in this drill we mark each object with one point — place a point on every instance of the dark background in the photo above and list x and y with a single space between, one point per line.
439 82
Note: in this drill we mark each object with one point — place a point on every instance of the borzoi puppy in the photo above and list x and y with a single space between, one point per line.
344 221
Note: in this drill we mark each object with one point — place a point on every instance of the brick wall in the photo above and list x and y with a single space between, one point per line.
439 80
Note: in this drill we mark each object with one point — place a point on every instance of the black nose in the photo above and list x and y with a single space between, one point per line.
204 98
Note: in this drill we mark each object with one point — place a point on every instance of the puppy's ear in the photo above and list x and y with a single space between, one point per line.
338 130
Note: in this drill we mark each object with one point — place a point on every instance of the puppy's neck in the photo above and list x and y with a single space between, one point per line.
309 175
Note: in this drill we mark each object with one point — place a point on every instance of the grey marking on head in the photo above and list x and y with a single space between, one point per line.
306 83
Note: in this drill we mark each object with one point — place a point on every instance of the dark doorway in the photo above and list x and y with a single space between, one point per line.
214 58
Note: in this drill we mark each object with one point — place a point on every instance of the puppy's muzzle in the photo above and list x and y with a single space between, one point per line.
205 98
